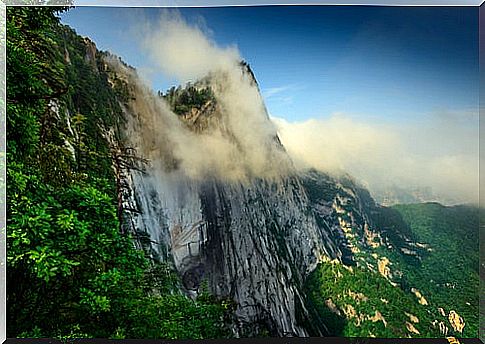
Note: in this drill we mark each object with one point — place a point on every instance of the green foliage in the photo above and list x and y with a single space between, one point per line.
181 100
71 273
333 281
177 317
449 271
66 256
443 267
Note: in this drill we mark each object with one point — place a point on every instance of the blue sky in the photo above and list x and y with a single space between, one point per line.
393 64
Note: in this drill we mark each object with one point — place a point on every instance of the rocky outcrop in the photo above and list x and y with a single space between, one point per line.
419 296
456 321
253 238
383 267
254 243
91 50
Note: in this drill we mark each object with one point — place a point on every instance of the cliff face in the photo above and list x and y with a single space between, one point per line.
252 239
221 199
253 243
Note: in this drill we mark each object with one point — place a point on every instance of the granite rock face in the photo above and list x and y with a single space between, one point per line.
252 242
253 239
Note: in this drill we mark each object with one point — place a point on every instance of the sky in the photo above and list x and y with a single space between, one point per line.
388 94
393 63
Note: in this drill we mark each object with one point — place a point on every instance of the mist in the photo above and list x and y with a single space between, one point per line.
439 152
241 146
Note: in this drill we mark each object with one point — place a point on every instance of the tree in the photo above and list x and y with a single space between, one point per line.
71 271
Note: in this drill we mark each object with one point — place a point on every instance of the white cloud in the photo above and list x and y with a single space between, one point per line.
441 154
241 145
184 51
270 92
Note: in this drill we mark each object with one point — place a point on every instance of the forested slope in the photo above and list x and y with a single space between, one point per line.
428 288
71 271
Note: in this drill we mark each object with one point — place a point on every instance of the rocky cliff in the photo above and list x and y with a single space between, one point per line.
253 227
252 239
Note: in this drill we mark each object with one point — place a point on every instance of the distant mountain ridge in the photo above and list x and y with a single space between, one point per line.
395 194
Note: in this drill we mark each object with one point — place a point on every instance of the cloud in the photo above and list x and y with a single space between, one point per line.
270 92
241 141
184 51
438 153
281 94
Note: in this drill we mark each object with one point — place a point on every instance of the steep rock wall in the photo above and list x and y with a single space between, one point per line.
252 239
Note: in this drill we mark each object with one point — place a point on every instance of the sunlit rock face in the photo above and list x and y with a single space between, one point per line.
252 242
221 211
221 200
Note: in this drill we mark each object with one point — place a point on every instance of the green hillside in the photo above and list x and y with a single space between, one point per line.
450 271
359 303
443 268
71 271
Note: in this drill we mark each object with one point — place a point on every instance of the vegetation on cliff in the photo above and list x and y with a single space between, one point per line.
71 272
393 291
181 100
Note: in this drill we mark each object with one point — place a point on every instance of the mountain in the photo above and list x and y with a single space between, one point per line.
72 270
335 213
423 259
180 215
252 239
423 283
394 194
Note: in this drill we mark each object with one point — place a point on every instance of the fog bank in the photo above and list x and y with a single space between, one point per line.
440 152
